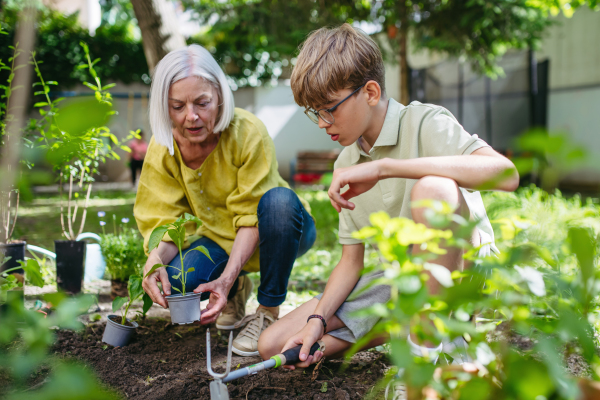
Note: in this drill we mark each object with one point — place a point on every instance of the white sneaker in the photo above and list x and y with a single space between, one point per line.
246 343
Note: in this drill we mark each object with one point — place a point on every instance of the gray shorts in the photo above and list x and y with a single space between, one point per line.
359 326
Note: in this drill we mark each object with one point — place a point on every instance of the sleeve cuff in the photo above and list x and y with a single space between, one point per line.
240 221
344 240
479 143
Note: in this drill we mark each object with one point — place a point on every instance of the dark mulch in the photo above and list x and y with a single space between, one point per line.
166 361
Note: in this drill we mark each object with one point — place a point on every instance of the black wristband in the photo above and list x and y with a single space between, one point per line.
319 317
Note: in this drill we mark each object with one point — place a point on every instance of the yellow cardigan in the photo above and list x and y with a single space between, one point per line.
224 192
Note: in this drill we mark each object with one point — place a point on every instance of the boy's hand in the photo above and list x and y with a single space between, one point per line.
359 178
307 336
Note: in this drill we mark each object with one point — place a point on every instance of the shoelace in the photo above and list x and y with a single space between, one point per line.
255 324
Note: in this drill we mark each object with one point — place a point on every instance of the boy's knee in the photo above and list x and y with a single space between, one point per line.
267 344
436 188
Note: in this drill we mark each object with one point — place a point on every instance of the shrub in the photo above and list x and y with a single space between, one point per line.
123 253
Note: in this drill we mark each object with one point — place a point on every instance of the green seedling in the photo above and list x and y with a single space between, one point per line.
134 287
176 232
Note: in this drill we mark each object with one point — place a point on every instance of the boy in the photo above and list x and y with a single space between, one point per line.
394 155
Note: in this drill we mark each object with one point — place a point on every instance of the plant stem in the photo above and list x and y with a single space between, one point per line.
183 274
62 213
15 218
126 310
69 223
87 199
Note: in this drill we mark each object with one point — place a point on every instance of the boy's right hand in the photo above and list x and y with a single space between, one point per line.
312 331
359 178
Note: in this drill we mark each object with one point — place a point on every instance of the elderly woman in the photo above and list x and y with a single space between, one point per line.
217 162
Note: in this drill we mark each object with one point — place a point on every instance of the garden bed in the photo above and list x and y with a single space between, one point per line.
166 361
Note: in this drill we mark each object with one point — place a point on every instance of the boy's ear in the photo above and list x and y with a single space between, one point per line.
373 91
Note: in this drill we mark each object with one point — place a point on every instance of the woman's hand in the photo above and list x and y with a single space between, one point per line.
219 288
359 178
312 331
149 283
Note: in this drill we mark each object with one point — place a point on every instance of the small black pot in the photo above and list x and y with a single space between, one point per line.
70 260
16 252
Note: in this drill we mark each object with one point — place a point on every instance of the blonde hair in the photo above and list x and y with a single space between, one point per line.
179 64
334 59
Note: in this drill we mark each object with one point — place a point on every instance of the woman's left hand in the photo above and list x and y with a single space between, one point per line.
218 299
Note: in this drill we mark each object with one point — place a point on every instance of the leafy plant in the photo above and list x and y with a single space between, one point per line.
547 294
176 232
134 287
123 253
9 281
76 138
25 338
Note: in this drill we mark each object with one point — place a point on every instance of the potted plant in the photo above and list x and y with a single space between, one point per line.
119 329
77 142
123 252
185 307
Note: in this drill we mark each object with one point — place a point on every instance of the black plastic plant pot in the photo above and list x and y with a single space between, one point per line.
184 309
70 259
16 252
116 334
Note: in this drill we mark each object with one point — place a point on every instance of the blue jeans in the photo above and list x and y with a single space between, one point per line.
286 231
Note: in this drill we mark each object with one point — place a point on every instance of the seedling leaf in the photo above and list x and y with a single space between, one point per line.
147 303
156 237
33 272
190 270
135 287
176 276
173 287
154 268
204 251
118 302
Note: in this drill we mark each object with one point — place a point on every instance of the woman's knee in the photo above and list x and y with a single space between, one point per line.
279 200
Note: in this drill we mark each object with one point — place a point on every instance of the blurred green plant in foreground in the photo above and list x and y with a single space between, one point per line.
543 286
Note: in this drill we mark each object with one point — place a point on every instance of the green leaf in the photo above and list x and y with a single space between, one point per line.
41 104
33 272
118 302
156 237
174 235
110 85
147 303
154 268
135 287
190 217
125 148
173 287
204 251
191 269
176 276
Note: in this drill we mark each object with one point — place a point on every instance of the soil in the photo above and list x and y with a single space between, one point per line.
165 361
118 320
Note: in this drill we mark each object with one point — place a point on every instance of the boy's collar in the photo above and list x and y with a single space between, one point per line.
390 131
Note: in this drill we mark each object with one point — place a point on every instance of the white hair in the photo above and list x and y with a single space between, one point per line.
179 64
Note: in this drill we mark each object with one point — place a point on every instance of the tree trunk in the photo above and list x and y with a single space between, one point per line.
402 40
160 33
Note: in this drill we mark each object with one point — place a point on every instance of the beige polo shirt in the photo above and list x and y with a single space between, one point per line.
416 130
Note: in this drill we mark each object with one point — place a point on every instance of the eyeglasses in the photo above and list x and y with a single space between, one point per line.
325 113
